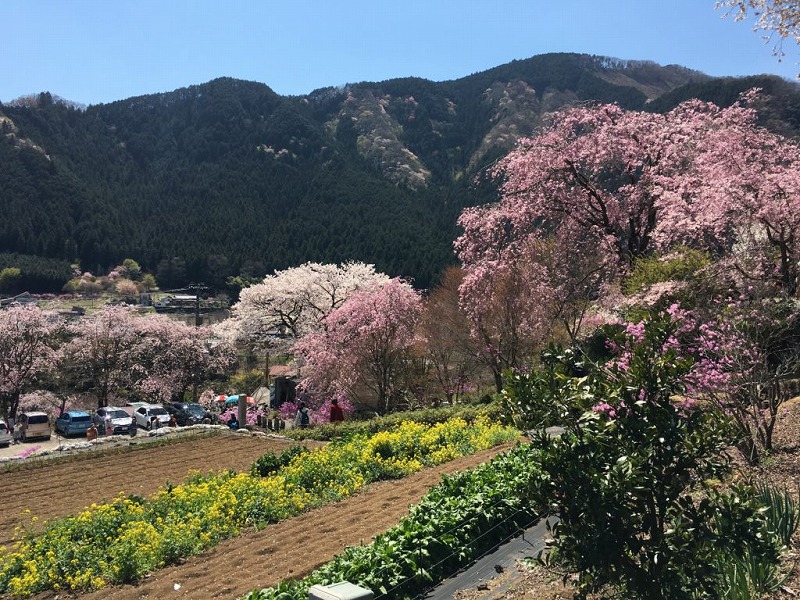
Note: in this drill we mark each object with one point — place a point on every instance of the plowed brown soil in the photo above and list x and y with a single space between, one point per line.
55 488
290 549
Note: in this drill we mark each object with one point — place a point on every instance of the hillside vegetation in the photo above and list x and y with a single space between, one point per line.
228 178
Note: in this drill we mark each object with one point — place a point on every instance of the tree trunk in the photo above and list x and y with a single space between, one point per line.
498 381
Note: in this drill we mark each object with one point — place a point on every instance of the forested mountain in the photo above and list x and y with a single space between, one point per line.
229 178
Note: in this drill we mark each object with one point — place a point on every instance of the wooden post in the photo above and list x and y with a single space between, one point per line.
242 412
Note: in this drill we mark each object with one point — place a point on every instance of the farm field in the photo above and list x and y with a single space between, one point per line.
54 488
291 548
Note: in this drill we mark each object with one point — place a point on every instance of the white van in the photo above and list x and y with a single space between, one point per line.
32 425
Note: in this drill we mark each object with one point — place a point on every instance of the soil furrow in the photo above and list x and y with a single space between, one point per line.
51 489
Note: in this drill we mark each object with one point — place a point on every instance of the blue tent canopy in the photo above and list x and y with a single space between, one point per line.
234 399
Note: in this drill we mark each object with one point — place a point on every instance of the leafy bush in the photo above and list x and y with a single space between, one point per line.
678 266
269 464
628 477
556 392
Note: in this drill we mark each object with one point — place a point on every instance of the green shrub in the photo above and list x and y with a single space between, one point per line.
269 463
622 477
680 265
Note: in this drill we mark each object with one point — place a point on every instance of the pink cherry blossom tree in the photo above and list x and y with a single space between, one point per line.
50 402
625 180
296 300
521 287
599 188
578 202
29 339
272 315
103 352
772 16
363 352
177 357
753 178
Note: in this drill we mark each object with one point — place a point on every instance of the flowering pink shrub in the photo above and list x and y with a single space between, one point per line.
252 415
29 451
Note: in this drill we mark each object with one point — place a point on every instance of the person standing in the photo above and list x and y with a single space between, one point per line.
133 427
109 425
302 418
99 424
337 415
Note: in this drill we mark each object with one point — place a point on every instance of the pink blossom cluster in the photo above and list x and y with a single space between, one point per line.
114 351
606 409
364 348
252 415
291 303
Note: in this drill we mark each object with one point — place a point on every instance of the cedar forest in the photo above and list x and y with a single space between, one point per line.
227 179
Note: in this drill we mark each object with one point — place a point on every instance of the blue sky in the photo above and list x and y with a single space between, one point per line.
93 51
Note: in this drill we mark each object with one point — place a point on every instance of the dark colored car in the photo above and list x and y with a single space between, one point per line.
186 413
73 422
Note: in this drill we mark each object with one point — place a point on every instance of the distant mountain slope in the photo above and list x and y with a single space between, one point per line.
228 177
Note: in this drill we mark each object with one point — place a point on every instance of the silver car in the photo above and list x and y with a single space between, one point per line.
120 420
5 435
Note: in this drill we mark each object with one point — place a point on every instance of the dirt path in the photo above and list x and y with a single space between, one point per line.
292 548
54 489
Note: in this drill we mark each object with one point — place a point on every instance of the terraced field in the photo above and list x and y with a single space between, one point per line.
291 548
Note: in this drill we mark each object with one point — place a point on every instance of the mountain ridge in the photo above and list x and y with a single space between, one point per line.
230 178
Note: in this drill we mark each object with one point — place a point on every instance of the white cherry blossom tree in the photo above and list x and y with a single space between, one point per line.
291 303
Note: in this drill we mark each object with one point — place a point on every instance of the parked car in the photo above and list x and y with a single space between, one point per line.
186 413
130 407
5 435
73 422
30 425
120 420
144 414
